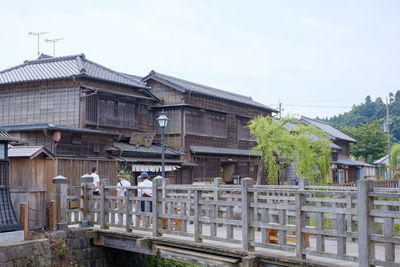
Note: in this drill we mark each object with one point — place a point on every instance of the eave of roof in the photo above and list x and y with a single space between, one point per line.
29 151
330 131
51 127
145 159
4 137
203 90
129 150
223 151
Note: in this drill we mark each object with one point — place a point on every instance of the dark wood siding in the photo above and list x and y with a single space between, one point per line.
54 102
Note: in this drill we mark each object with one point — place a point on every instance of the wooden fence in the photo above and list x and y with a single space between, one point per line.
248 216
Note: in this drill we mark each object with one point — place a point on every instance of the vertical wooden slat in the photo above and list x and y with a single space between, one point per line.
341 230
247 230
388 232
197 215
300 220
319 225
24 219
365 204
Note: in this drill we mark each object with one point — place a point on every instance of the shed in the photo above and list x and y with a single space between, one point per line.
31 169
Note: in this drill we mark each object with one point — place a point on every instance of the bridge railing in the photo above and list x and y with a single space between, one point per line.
298 219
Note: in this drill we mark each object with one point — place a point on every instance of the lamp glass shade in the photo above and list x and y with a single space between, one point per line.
162 120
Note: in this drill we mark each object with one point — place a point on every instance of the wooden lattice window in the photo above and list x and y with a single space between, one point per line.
91 109
207 168
243 130
206 123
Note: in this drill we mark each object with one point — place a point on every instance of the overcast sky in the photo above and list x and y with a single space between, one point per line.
317 57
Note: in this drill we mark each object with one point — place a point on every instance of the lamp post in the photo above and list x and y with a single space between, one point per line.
162 121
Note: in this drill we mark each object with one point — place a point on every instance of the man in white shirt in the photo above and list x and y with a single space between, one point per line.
147 191
96 181
121 190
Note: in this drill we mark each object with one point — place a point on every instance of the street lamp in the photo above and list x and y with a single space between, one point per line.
162 121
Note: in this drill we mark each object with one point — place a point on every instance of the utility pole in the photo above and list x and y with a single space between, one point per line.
387 129
38 36
280 108
54 44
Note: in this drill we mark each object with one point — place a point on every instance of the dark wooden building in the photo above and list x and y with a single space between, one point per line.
209 126
73 106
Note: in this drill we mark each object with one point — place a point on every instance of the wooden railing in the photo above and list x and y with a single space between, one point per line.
246 216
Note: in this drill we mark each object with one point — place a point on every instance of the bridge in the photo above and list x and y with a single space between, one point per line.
244 225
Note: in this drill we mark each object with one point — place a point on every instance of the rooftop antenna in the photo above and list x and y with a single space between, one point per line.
54 44
38 35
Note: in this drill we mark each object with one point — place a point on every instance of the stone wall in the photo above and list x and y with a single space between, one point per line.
27 253
60 248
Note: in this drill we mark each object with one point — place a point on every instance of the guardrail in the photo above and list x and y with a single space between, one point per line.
275 217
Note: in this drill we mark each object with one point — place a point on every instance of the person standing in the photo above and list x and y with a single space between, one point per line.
121 190
96 181
146 191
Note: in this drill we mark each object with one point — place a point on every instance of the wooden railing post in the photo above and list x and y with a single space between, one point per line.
215 208
52 215
86 182
157 196
247 215
300 219
23 218
60 184
197 214
366 250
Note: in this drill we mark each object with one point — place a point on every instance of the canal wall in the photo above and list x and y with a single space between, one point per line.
59 248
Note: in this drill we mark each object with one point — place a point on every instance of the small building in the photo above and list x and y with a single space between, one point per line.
343 169
31 171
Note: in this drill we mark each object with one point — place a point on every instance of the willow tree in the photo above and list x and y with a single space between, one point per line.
394 155
284 138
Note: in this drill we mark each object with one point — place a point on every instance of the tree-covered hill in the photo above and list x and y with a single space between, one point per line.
370 111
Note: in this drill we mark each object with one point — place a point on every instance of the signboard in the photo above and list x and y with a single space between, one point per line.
142 139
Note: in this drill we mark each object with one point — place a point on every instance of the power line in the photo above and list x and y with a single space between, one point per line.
311 106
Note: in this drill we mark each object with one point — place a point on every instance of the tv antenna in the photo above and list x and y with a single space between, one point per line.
38 37
54 44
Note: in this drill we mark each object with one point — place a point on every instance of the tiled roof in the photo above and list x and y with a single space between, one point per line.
223 151
153 149
292 126
5 137
184 86
147 160
49 126
47 68
28 151
329 130
352 162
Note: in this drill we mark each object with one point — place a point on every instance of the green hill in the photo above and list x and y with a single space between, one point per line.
370 111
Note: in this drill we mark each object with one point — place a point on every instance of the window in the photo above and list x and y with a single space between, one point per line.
151 118
76 139
243 130
206 123
111 112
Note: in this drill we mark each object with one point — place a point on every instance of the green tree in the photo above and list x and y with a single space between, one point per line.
394 155
371 141
301 143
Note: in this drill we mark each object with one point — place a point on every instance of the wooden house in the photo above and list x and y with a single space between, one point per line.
73 106
77 108
209 126
344 169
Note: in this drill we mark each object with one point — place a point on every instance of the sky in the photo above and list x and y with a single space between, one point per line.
318 58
